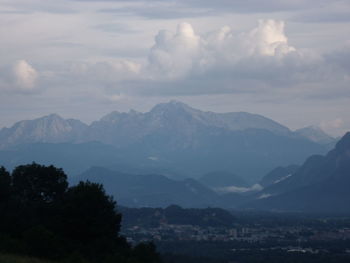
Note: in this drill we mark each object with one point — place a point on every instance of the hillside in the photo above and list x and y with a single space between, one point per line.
321 184
151 190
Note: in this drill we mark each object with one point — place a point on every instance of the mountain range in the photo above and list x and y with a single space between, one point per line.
175 154
172 139
320 184
151 190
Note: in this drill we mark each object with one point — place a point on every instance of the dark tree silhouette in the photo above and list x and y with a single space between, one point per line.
88 213
42 217
5 185
34 183
5 200
146 253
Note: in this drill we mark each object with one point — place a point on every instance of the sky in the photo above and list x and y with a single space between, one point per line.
288 60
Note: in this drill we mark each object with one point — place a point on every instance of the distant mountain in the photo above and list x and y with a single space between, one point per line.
321 184
176 215
52 128
151 190
154 190
74 158
315 134
172 137
181 122
121 129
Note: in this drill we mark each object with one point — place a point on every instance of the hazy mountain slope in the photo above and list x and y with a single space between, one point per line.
277 175
151 190
73 158
248 153
320 185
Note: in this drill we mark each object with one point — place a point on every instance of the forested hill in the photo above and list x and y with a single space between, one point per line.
175 215
42 217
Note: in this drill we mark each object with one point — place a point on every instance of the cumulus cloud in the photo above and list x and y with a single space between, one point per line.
224 61
25 76
173 55
19 77
185 62
269 38
183 52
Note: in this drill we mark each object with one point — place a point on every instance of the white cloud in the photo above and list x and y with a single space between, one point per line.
177 54
180 53
225 47
186 62
173 55
235 189
225 61
269 38
25 76
19 77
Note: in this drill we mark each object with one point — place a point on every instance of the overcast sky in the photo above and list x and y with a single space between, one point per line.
285 59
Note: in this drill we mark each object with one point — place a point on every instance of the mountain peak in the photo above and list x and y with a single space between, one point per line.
315 134
50 128
171 105
53 116
111 117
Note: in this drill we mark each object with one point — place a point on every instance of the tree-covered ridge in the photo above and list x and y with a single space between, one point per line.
176 215
41 216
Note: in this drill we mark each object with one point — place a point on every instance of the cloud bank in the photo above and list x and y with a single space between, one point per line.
184 62
224 61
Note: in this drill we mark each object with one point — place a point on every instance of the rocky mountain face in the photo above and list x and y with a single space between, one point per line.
170 137
120 129
174 120
321 184
52 128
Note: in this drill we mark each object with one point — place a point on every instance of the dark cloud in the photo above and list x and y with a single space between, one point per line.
244 6
340 58
329 16
30 7
119 28
159 12
155 9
